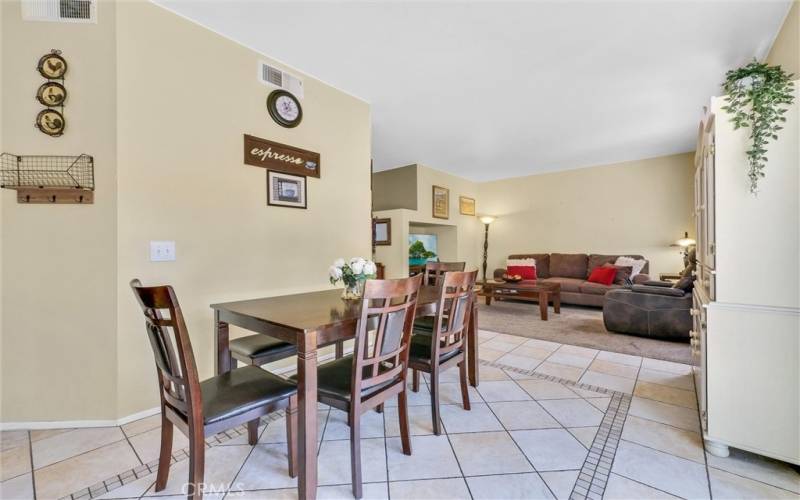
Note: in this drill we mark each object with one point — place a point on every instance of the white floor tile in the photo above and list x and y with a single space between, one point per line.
685 381
518 361
624 359
666 366
599 403
621 488
613 382
266 467
561 371
490 374
450 394
573 412
431 457
676 416
529 351
148 443
561 482
660 470
337 428
68 444
542 344
18 488
544 389
420 421
498 345
551 449
509 487
222 465
662 437
584 434
334 461
419 398
478 419
665 394
565 358
439 489
276 430
523 415
488 453
612 368
727 485
506 390
578 351
763 469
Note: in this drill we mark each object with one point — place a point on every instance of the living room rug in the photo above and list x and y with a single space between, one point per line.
581 326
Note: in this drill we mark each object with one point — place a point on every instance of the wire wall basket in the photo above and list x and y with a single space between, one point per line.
42 172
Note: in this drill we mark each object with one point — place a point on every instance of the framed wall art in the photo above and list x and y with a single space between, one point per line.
441 202
286 190
381 232
466 205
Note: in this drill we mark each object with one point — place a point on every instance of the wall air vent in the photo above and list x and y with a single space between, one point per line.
64 11
273 77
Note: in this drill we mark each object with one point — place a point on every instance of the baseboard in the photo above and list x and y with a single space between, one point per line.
74 424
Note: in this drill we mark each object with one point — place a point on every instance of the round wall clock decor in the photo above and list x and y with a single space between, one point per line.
284 108
51 122
51 94
52 66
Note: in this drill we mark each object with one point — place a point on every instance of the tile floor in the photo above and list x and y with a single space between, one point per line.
532 433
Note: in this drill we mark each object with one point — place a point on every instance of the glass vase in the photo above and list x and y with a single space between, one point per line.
354 290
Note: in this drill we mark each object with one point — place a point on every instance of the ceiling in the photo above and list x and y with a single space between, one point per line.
490 90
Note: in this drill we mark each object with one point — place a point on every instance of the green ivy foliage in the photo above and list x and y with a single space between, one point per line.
758 97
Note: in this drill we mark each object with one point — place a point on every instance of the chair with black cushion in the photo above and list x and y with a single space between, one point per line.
433 353
258 350
434 273
376 371
200 409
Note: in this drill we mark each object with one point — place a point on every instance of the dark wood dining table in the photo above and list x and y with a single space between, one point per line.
310 321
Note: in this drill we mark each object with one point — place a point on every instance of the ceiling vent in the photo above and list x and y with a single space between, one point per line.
273 77
64 11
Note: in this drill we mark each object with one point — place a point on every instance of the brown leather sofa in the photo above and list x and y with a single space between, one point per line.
571 270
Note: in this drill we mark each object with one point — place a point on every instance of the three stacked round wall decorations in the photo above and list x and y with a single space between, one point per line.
52 94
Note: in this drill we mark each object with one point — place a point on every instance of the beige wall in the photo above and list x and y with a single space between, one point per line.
634 207
59 276
167 140
395 188
786 48
459 242
181 178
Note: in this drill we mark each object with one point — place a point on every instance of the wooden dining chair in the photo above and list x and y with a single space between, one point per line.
376 370
435 352
258 350
434 271
200 409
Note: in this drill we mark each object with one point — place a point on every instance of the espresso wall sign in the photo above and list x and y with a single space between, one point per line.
280 157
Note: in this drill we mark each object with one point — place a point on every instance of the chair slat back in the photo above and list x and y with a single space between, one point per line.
177 372
434 271
455 301
381 356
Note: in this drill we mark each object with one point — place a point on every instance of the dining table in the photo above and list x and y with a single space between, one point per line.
310 321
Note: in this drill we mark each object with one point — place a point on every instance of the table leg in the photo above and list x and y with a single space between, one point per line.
472 345
307 428
488 298
557 302
543 305
223 363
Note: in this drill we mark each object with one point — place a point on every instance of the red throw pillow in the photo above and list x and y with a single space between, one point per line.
603 275
527 272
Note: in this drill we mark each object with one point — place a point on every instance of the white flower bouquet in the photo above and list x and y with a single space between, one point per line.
353 274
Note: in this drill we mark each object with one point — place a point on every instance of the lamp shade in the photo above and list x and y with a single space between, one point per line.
488 219
685 241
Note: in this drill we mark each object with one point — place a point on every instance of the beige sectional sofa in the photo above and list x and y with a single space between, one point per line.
571 270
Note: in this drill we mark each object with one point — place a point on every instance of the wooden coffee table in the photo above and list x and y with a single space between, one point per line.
532 291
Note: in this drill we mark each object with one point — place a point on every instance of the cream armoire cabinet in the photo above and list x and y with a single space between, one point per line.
746 334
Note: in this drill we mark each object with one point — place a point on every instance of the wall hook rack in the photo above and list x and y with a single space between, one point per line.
49 179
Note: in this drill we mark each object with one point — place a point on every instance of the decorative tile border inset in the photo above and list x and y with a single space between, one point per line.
592 479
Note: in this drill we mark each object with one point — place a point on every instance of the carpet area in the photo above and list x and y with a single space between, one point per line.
581 326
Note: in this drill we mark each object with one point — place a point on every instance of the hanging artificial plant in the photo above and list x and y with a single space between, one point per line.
757 97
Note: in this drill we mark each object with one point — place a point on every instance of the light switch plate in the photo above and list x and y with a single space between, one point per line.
162 251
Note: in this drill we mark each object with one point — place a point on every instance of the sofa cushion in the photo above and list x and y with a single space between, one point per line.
569 265
542 262
567 284
596 288
603 275
597 260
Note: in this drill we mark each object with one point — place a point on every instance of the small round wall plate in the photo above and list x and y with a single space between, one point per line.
52 66
284 108
51 94
51 122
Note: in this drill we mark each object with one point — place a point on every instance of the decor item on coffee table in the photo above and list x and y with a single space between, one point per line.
528 290
486 220
572 271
